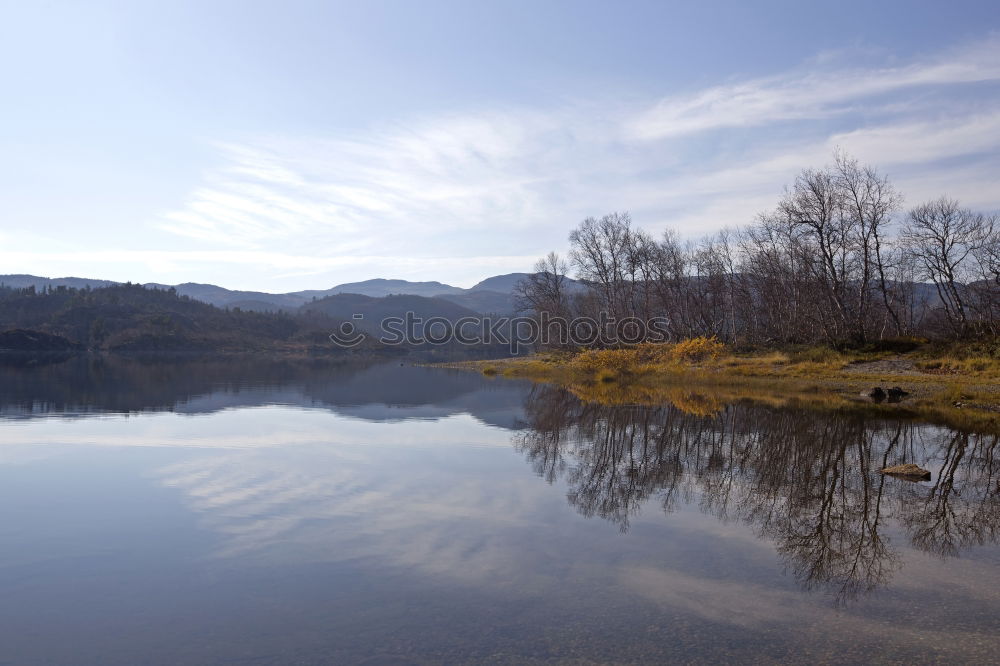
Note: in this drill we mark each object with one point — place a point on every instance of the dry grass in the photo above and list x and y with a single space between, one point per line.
701 375
976 366
697 349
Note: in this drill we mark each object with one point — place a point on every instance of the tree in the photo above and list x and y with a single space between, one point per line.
824 265
545 294
869 201
546 289
602 253
815 208
944 238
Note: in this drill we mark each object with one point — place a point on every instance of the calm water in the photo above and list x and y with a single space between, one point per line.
252 512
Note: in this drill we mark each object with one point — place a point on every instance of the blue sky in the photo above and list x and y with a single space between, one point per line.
289 145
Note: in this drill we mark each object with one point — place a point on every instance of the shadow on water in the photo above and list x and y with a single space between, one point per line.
807 480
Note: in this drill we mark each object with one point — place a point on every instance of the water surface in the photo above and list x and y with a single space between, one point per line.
249 511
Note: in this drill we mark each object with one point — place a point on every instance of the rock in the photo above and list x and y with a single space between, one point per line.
896 394
908 470
877 394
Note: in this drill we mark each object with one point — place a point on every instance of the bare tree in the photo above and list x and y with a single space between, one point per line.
815 206
545 293
869 201
986 287
546 289
784 298
668 272
601 254
944 237
822 266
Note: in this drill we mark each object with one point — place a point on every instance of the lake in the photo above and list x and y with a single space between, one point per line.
252 511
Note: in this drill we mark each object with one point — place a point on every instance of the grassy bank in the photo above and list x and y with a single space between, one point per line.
958 385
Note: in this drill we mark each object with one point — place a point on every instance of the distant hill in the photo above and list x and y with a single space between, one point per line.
381 287
507 283
134 318
25 281
485 302
501 283
490 296
373 310
223 298
252 305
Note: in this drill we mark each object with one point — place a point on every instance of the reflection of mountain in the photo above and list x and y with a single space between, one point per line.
370 391
805 479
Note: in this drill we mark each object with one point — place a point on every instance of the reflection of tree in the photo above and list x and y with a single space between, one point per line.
549 419
962 508
805 478
832 536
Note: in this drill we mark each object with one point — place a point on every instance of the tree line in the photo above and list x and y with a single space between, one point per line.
837 260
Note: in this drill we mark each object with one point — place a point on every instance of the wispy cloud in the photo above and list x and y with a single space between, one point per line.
809 95
459 196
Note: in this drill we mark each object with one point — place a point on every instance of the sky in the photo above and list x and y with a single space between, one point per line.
279 146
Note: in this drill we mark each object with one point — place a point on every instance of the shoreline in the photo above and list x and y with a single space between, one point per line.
935 392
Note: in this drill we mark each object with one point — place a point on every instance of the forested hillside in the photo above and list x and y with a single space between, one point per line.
344 307
131 317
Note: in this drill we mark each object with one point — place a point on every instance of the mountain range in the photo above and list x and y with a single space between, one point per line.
494 295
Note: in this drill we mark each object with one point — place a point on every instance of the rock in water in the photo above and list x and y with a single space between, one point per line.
877 394
896 393
908 470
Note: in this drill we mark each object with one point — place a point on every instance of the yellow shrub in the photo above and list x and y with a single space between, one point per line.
606 375
622 360
697 349
615 360
653 352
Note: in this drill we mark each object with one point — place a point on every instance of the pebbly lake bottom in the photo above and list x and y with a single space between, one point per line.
272 512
